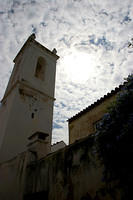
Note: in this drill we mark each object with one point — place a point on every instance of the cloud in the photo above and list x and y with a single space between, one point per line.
101 29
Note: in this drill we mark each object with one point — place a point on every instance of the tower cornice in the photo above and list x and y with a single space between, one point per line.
25 85
32 39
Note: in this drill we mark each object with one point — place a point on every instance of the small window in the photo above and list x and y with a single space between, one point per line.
40 69
97 124
32 115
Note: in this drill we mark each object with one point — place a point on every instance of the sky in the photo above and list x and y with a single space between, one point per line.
91 38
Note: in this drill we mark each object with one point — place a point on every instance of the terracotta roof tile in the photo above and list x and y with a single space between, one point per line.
99 101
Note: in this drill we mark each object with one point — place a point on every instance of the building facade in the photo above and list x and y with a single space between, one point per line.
84 123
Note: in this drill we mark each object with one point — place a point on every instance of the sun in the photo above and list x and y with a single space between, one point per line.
79 66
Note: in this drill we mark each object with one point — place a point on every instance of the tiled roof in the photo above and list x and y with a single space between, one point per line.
96 103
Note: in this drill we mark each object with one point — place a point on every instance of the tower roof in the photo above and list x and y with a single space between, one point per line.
32 39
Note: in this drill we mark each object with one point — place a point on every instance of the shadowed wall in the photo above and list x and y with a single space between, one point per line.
83 124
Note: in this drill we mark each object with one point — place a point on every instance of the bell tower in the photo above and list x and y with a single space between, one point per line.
27 105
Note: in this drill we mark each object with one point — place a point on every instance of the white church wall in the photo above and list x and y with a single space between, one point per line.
5 109
27 115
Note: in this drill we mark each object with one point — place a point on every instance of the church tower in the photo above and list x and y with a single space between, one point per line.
27 106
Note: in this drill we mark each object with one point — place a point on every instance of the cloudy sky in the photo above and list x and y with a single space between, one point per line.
91 38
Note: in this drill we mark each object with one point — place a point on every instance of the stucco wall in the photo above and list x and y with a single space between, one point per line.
72 173
12 175
20 124
5 109
83 125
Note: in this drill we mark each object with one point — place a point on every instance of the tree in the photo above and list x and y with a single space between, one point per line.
114 140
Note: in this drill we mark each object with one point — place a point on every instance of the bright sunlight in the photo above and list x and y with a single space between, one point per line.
79 66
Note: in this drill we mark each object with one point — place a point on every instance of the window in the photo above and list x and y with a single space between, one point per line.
97 124
32 115
40 69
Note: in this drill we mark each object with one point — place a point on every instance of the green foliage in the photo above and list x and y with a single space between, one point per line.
114 140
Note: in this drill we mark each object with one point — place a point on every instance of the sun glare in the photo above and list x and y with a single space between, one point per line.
79 67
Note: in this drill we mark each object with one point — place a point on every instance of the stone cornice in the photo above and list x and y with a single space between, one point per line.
22 83
31 39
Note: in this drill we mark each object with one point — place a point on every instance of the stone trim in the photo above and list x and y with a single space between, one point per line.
28 86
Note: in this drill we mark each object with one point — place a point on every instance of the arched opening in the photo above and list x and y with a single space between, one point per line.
40 69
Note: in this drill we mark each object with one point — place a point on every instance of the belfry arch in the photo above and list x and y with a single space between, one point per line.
40 68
